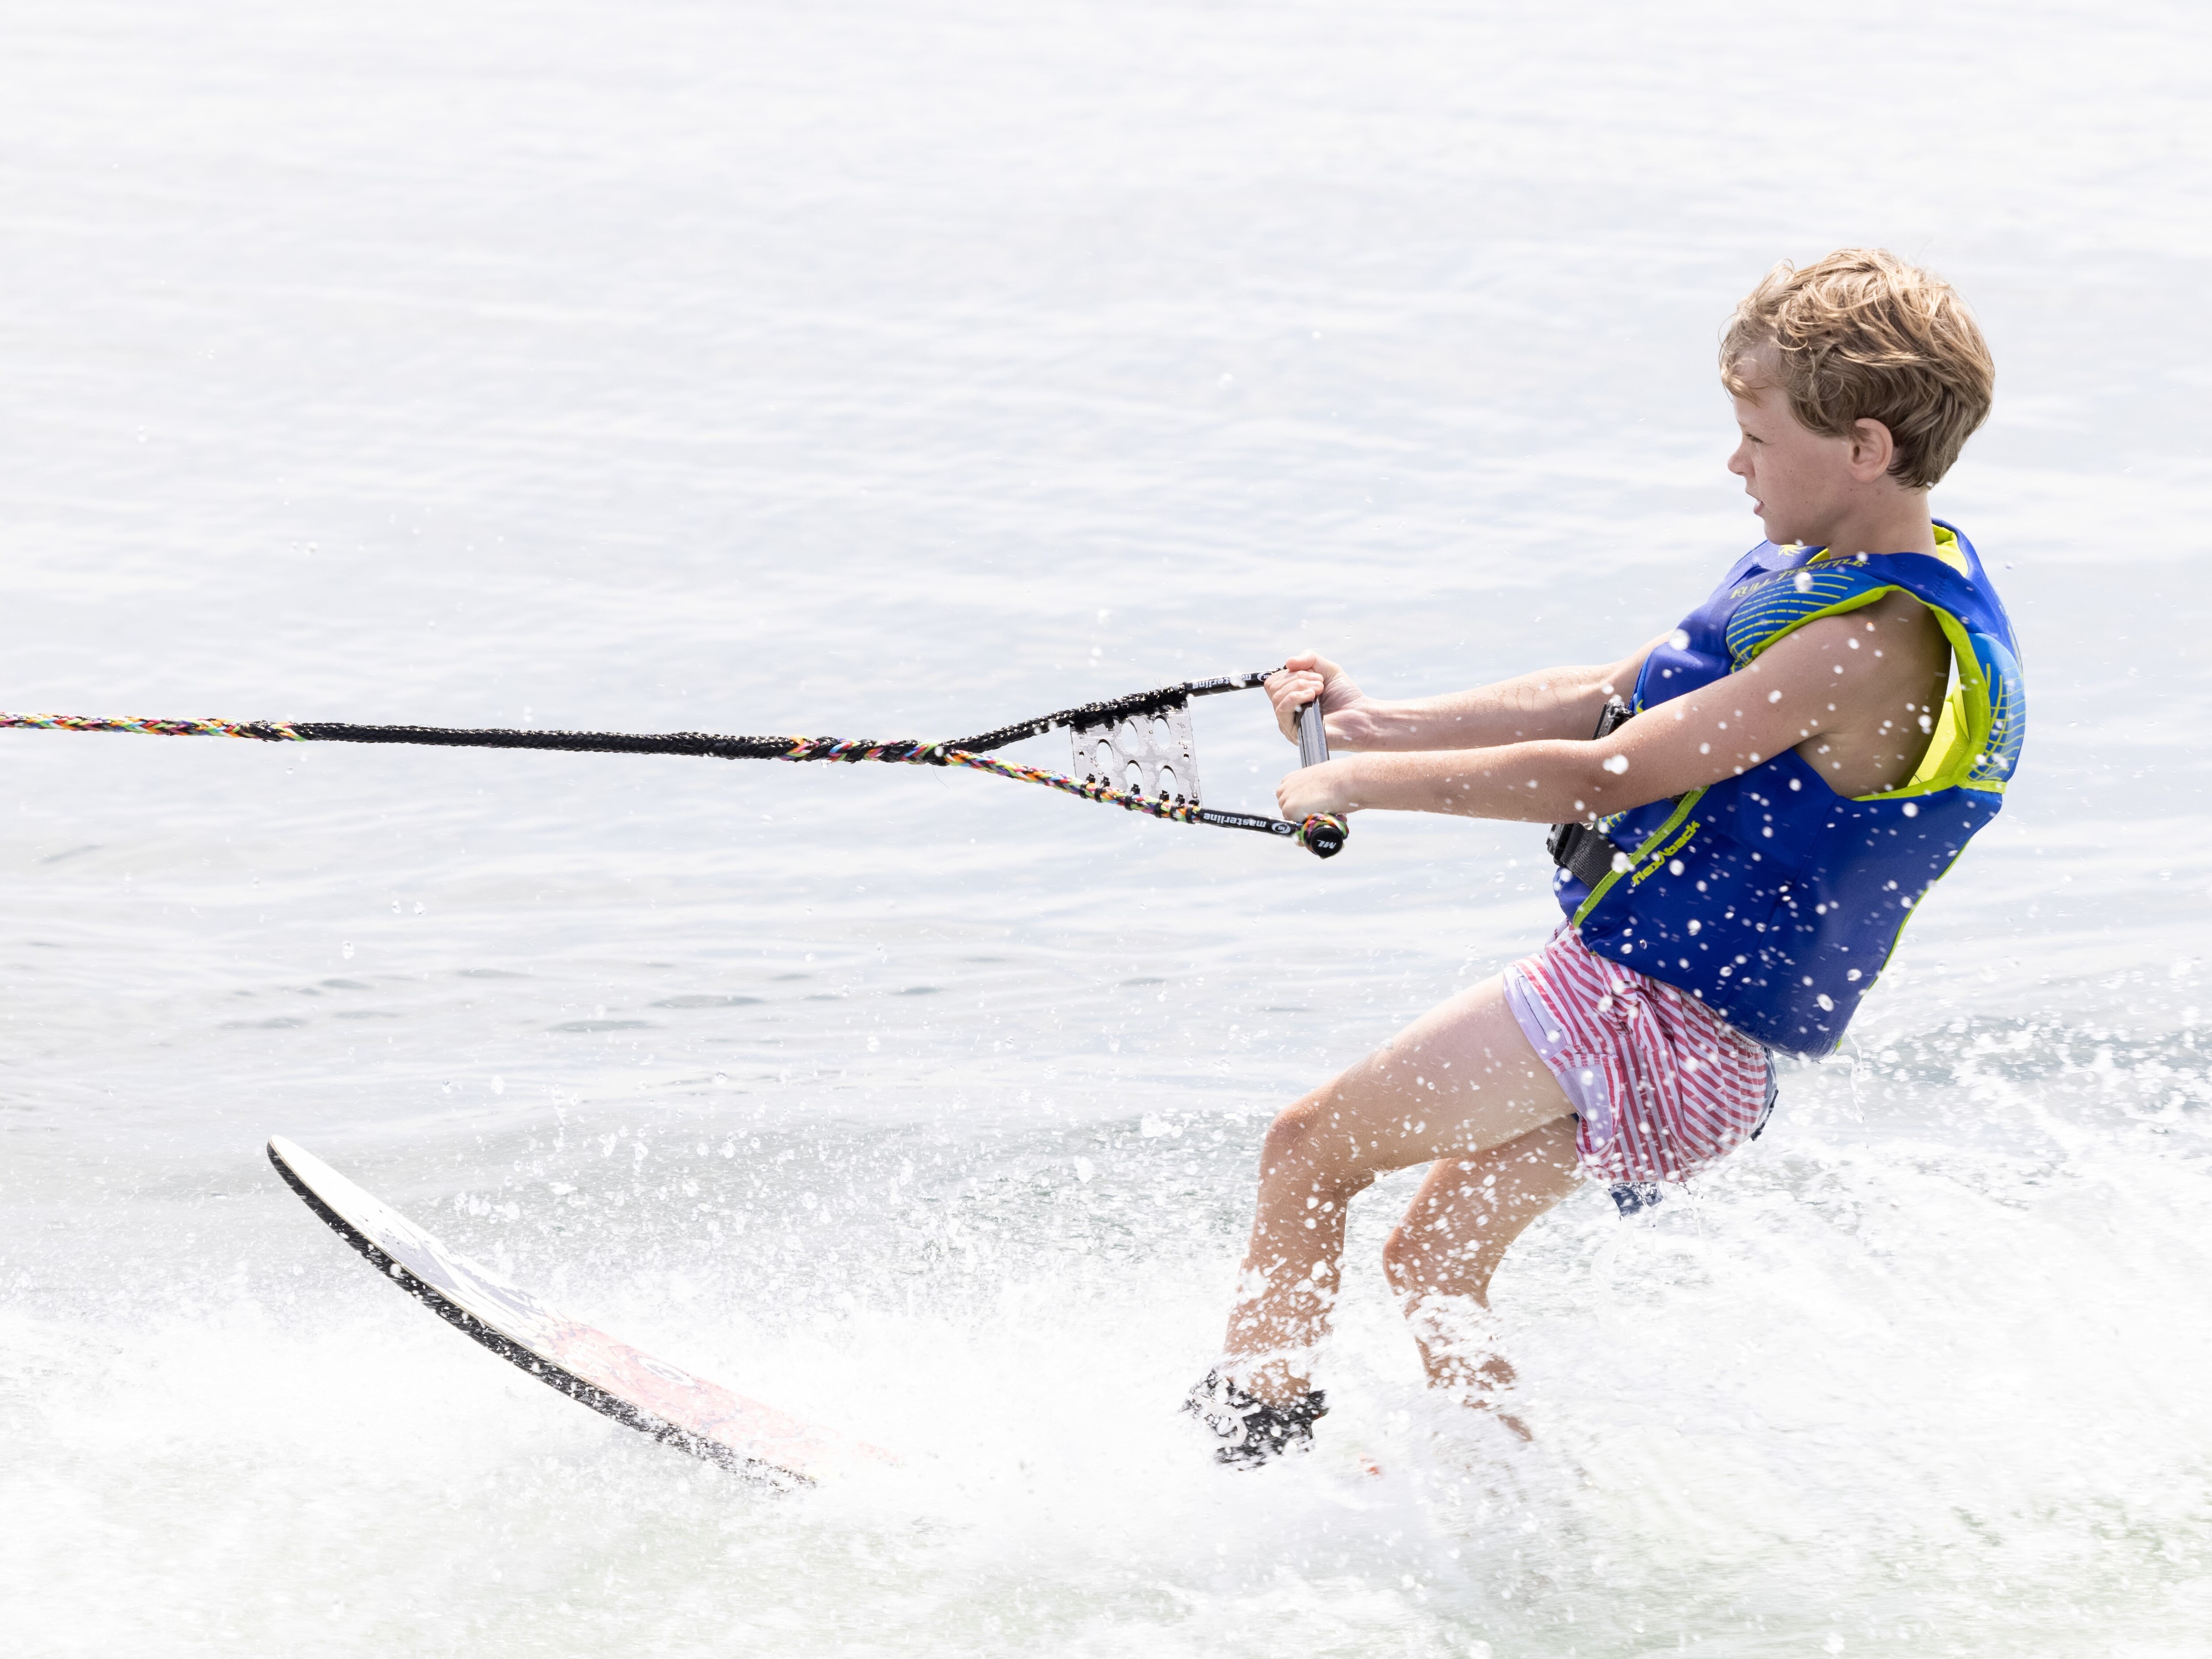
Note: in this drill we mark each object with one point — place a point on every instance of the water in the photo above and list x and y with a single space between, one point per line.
884 370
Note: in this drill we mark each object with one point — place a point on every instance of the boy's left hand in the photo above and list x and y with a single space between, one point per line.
1313 791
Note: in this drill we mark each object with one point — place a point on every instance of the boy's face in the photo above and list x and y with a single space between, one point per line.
1801 482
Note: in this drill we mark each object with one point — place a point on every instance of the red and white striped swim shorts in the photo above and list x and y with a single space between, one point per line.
1662 1086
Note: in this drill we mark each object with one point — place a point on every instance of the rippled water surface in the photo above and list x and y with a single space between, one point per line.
892 370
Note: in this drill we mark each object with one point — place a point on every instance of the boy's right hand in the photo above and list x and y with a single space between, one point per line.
1305 678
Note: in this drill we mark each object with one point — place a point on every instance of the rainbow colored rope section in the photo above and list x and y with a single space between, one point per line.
795 748
263 731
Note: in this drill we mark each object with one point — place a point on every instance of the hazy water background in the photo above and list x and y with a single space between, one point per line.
897 370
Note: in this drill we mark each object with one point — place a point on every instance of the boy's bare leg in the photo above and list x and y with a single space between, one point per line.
1441 1256
1458 1082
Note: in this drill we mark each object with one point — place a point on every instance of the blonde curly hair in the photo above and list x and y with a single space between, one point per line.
1862 335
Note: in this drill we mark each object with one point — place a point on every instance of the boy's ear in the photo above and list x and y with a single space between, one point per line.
1873 450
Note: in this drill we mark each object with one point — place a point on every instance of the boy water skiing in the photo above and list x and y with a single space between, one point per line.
1784 776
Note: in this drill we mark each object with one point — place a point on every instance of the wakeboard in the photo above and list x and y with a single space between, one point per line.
589 1366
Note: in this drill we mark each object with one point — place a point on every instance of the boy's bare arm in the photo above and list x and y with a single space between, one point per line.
1849 692
1552 702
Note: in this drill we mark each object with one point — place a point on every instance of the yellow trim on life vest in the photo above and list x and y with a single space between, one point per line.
1962 730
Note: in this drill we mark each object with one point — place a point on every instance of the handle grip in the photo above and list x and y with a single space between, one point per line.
1322 836
1313 738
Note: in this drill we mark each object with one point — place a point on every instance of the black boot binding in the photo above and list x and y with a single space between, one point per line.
1251 1431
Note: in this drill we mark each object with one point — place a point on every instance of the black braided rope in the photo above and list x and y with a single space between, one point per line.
717 746
462 737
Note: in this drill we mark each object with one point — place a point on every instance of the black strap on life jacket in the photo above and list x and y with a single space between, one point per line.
1579 848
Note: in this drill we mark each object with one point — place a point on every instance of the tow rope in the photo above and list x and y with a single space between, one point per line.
1117 737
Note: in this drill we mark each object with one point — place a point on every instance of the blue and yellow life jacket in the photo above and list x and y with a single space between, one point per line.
1768 895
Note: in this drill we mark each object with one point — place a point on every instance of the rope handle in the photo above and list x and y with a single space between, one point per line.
1322 835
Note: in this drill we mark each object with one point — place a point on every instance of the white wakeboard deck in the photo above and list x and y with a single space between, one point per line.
602 1372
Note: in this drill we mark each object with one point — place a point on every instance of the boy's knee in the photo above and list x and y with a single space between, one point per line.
1400 1261
1306 1141
1291 1137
